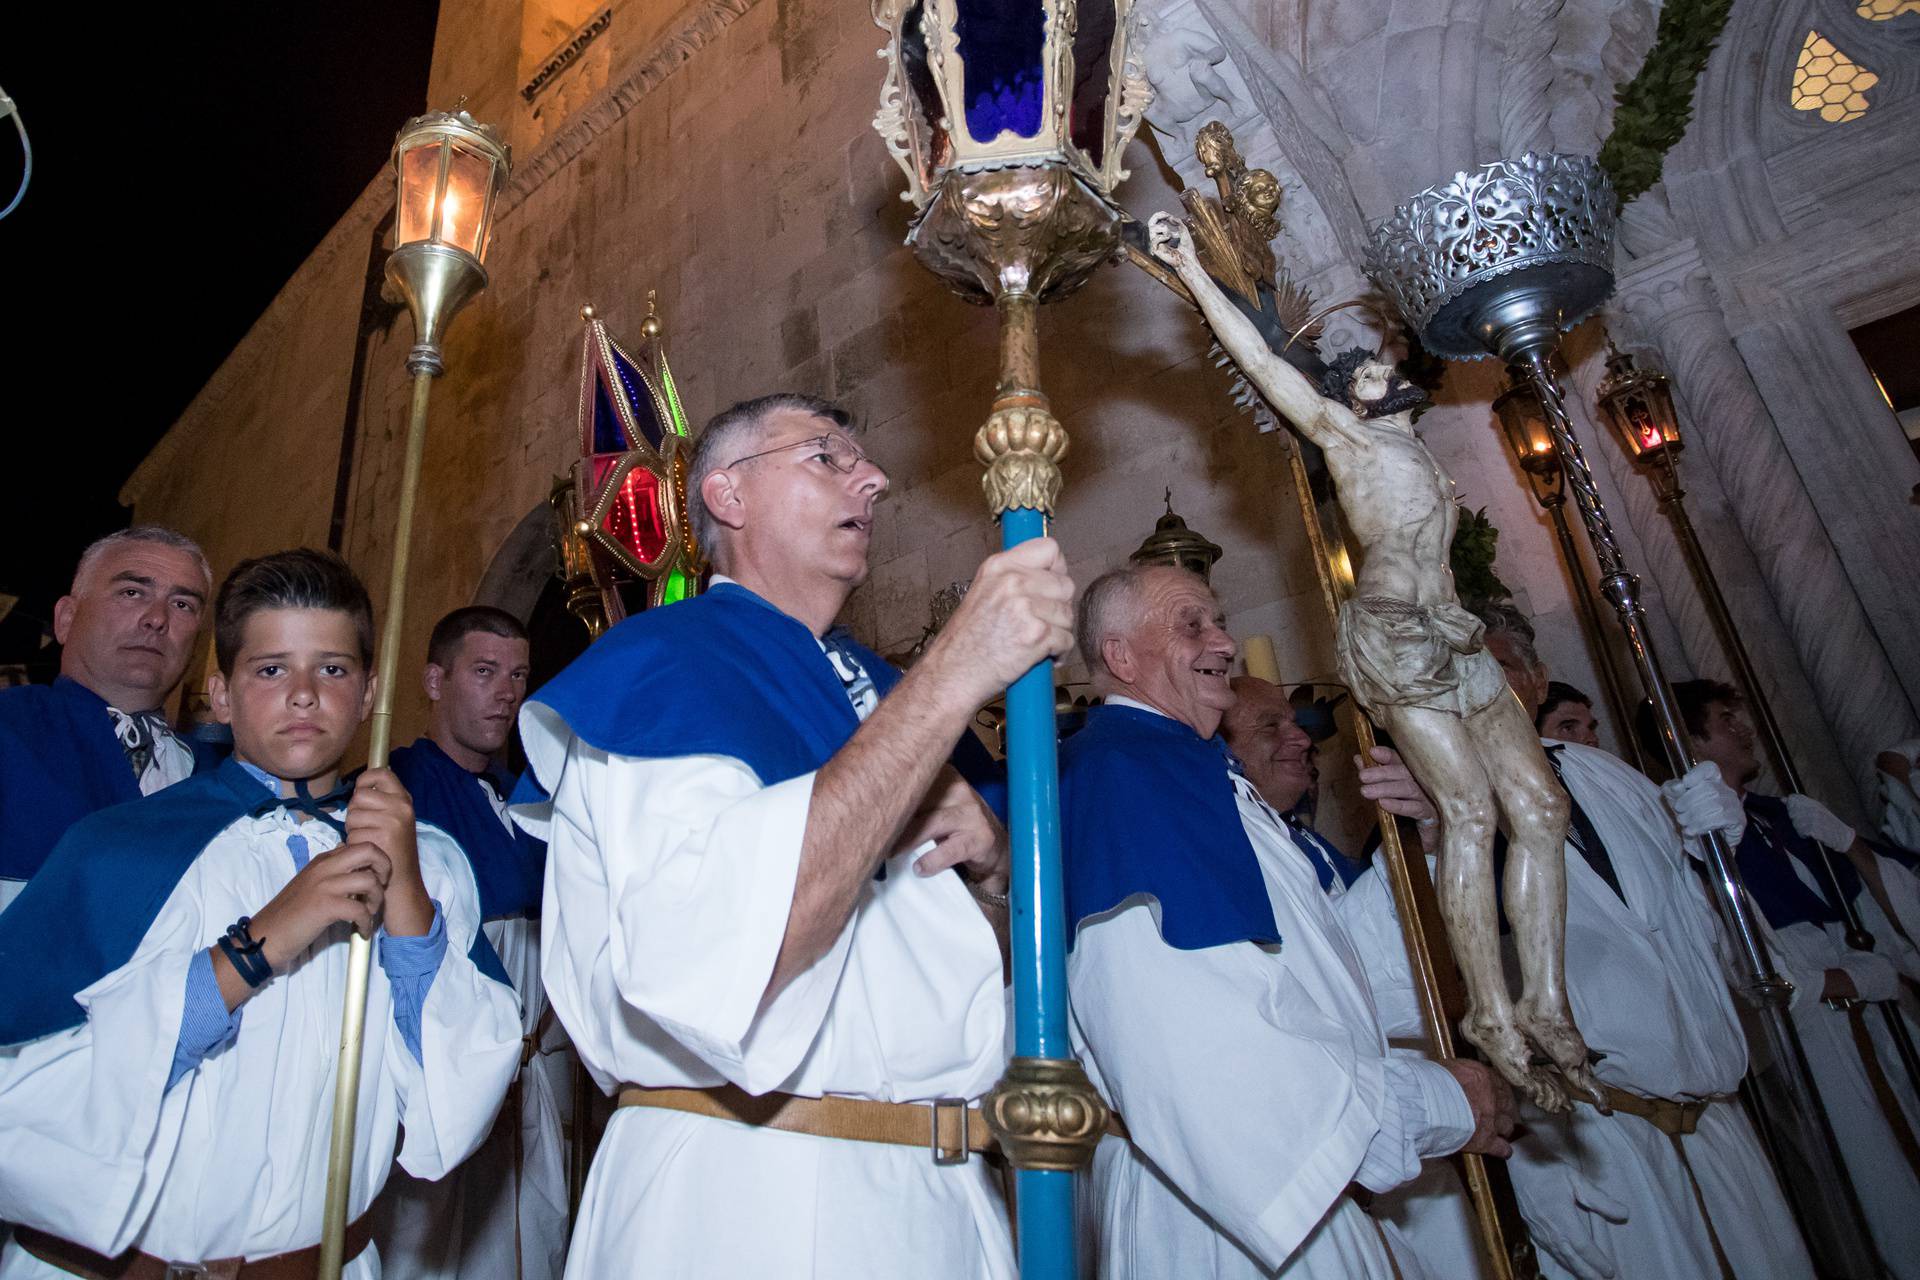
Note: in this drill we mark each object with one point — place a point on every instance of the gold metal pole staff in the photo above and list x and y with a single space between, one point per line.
450 169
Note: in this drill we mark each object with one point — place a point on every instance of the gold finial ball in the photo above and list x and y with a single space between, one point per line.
652 327
586 312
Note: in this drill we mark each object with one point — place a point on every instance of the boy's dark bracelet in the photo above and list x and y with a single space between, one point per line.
245 953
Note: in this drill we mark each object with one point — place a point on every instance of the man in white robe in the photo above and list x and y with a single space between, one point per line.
1867 1094
1428 1219
1623 1195
503 1214
167 1087
98 735
1218 1001
754 930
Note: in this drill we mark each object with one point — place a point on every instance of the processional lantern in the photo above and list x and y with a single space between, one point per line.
1524 421
1009 118
449 171
1173 543
1639 404
1497 262
626 513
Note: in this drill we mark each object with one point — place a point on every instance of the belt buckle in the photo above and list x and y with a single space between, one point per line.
941 1157
186 1271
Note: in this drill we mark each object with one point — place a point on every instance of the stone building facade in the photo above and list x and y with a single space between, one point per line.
719 152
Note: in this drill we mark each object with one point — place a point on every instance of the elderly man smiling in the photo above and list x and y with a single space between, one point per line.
1217 998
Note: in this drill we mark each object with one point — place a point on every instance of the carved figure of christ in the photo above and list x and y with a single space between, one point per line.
1414 659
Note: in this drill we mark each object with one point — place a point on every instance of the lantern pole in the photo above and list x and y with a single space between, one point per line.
437 279
1012 149
1663 472
1498 262
1549 484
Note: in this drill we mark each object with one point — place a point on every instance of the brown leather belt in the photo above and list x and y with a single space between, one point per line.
1669 1116
948 1127
301 1264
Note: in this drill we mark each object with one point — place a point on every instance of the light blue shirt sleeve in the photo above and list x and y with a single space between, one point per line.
410 965
206 1023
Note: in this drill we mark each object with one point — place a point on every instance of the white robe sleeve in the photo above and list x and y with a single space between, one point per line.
1367 913
698 863
469 1031
85 1112
1298 1107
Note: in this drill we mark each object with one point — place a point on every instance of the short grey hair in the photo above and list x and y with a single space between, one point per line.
731 434
1500 617
146 535
1109 607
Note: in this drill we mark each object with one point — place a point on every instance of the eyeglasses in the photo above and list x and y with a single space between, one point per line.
836 451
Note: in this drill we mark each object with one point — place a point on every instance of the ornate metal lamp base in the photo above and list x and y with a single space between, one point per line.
1033 229
1046 1114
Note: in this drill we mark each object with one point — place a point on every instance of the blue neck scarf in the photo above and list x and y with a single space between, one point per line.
1147 807
103 885
1764 853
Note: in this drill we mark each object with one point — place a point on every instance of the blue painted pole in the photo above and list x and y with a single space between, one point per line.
1038 923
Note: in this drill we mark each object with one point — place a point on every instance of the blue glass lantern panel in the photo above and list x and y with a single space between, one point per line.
1092 79
639 398
1002 45
608 435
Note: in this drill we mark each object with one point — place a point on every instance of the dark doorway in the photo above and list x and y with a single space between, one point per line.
1891 348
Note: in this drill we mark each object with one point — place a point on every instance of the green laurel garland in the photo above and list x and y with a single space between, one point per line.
1476 542
1651 110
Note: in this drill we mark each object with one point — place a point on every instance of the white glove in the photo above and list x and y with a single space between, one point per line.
1701 802
1816 822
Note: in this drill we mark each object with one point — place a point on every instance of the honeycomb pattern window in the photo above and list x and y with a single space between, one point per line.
1886 10
1829 82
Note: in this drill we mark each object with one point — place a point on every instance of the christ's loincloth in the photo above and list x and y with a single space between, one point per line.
1396 654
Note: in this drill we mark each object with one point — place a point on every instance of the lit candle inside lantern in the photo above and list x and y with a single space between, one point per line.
1261 663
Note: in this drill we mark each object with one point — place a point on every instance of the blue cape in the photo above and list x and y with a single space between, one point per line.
101 888
507 868
727 674
1783 897
724 674
59 762
1147 806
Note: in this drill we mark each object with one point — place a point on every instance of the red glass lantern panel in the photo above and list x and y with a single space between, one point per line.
636 518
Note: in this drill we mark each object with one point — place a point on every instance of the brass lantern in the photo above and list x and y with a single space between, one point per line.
1640 406
988 84
1524 420
450 169
1173 543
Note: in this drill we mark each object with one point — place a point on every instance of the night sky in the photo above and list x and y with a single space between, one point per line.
186 159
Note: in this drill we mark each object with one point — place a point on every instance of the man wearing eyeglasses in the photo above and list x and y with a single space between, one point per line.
776 914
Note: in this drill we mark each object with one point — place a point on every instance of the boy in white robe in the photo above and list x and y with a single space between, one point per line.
1218 1001
753 927
1868 1096
178 969
1623 1195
